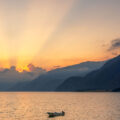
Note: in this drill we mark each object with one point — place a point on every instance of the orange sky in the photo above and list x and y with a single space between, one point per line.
56 33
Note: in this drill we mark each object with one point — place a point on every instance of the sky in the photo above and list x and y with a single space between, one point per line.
57 33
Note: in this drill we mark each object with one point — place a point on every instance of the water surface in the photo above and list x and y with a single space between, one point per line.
78 106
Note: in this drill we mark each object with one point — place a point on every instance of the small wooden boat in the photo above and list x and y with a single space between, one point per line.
55 114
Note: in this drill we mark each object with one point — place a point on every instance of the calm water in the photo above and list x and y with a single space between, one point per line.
78 106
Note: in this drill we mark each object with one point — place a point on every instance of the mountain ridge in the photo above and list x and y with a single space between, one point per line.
106 78
52 79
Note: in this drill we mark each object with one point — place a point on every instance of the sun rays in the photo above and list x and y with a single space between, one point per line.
49 33
26 27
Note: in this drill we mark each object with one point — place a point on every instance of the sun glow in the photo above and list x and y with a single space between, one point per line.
23 68
56 33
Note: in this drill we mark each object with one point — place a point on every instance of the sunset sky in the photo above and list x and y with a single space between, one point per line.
53 33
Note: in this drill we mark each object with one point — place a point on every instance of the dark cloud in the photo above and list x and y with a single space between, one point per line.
115 44
13 76
33 68
13 68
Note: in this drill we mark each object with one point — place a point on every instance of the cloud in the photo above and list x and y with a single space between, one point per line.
31 67
13 76
115 44
35 69
56 66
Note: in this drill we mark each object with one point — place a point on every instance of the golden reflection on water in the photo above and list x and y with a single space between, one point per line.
78 106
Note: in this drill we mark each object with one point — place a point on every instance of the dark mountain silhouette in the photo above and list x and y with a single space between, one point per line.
52 79
107 78
116 90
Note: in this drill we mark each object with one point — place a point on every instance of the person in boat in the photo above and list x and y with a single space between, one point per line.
63 112
56 114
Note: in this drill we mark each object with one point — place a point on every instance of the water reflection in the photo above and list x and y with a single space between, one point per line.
78 106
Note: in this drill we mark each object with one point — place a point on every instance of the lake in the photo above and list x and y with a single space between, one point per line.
78 106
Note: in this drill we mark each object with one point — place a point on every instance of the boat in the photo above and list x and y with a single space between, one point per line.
55 114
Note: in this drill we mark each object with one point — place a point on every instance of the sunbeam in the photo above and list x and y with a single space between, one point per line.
56 33
46 19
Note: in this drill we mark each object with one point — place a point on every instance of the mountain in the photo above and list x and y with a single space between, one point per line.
52 79
107 78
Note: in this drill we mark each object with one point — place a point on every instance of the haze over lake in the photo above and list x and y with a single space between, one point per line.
78 106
